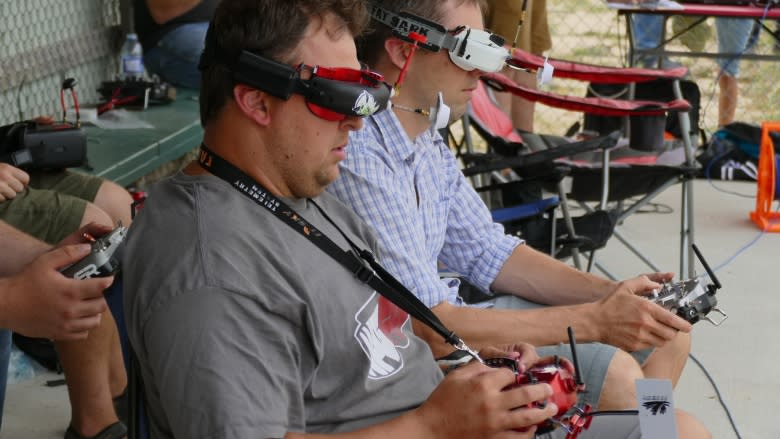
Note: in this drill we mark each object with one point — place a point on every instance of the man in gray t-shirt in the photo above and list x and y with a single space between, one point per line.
245 329
242 326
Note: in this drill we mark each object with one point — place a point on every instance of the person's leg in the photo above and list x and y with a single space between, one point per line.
668 361
175 58
690 427
91 374
114 200
733 35
106 195
609 373
536 40
502 18
91 371
522 111
647 30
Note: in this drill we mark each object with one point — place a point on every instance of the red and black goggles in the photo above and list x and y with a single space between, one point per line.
331 93
334 93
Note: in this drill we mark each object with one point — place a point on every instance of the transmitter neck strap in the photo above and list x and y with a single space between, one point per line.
359 262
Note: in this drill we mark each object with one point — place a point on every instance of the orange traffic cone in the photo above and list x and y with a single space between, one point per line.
767 178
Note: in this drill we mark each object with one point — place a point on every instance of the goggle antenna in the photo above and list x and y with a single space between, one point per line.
520 24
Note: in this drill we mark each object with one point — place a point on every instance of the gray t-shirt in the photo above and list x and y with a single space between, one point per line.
244 328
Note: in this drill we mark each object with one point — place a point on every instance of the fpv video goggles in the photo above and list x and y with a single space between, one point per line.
469 49
331 93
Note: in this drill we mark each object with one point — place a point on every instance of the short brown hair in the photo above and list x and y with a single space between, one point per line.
269 28
372 44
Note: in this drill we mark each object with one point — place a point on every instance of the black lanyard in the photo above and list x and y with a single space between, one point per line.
353 260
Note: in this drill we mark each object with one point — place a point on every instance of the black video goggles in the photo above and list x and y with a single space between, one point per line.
331 93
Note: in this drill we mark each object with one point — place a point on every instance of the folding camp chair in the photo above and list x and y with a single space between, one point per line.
656 178
521 188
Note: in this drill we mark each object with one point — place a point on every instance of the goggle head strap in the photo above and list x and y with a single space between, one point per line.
414 29
469 49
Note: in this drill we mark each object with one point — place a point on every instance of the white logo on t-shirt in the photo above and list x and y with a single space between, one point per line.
380 335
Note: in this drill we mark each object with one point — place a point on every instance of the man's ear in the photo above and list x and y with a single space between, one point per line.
255 104
397 51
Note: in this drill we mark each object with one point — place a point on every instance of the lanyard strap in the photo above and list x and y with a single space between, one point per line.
373 275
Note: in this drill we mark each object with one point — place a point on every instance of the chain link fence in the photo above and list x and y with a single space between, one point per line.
588 31
43 42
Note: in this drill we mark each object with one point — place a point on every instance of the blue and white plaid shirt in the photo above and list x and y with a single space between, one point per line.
422 208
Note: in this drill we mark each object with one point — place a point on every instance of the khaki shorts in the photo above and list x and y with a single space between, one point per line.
503 16
52 206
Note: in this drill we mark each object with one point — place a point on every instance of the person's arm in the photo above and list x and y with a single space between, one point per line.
163 11
12 181
623 319
541 278
18 249
41 302
35 298
469 403
224 374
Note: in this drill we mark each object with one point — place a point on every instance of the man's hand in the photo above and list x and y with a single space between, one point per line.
94 230
631 322
524 353
475 401
41 302
660 277
12 181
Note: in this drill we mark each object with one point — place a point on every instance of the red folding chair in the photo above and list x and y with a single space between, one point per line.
610 177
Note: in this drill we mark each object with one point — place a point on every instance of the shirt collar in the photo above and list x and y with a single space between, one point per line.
401 147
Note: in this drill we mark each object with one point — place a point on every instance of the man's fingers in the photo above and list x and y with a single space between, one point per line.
642 285
83 325
6 192
526 394
672 321
533 416
21 177
91 306
95 229
64 256
498 377
660 276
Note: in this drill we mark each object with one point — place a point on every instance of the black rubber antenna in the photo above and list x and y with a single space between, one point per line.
573 345
707 268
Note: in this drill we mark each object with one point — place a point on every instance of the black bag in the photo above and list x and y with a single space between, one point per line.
35 146
659 90
732 152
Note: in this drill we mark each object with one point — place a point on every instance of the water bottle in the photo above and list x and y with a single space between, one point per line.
131 61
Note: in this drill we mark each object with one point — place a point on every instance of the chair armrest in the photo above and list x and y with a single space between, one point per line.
590 105
545 156
594 73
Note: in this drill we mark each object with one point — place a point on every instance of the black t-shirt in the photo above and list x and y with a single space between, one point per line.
149 32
